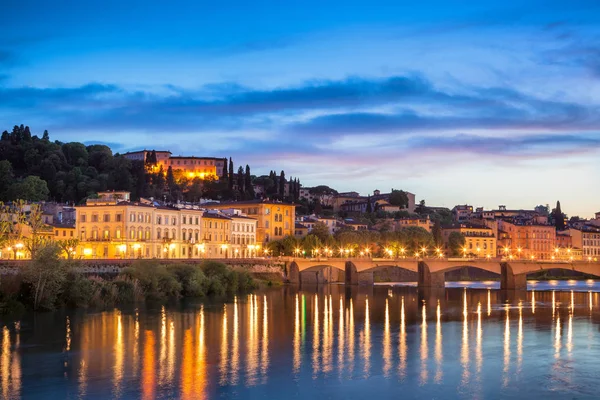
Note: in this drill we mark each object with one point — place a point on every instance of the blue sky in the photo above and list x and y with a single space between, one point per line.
484 103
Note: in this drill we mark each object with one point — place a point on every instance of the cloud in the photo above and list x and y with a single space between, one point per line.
305 119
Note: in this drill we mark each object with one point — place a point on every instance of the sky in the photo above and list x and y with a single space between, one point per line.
484 103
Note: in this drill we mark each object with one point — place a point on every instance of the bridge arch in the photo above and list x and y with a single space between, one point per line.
316 271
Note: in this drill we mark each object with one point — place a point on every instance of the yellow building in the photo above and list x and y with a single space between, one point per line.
479 239
243 236
64 232
216 228
274 220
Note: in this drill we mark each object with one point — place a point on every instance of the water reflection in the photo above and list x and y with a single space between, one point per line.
469 342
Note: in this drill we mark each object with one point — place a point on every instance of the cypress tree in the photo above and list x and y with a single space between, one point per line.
230 174
225 173
240 179
281 183
248 184
369 206
559 221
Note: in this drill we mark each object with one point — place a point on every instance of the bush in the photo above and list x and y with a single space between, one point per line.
78 290
46 275
192 279
155 281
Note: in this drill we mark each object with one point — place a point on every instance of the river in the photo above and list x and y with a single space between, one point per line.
468 341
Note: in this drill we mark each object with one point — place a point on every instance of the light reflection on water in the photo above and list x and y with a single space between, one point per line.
328 341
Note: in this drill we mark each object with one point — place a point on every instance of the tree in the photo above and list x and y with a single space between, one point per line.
282 184
310 243
321 231
249 189
369 206
6 178
32 188
559 218
421 208
68 246
230 174
225 175
45 274
45 136
399 198
436 231
456 242
240 180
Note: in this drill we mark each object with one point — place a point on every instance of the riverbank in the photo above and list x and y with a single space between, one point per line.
49 282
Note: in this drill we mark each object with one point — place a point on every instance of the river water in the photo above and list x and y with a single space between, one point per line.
318 343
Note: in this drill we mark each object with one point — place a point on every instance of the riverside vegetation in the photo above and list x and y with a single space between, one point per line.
49 282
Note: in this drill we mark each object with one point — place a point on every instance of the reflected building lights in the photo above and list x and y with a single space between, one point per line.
341 339
297 337
520 340
438 345
506 347
171 353
136 343
119 357
464 352
351 339
316 343
557 335
326 351
424 347
533 301
235 345
148 368
199 392
224 358
402 344
479 343
264 357
591 304
387 356
252 343
367 340
489 302
162 362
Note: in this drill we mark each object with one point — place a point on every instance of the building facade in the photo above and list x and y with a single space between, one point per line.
275 220
479 239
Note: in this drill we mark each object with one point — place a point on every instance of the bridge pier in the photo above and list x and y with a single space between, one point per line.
428 279
353 277
509 280
293 273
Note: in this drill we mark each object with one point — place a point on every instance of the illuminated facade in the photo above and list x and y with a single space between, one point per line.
479 239
189 167
275 220
526 241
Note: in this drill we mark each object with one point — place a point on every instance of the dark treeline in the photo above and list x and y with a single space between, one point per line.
37 169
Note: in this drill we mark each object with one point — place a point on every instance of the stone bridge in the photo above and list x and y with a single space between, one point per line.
431 272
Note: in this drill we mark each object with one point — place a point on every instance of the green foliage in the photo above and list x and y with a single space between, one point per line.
456 242
32 188
46 275
192 279
155 280
399 198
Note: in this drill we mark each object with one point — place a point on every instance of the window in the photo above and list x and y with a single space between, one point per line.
94 217
132 217
106 234
82 217
174 220
118 233
140 217
184 220
118 217
132 233
267 224
106 218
